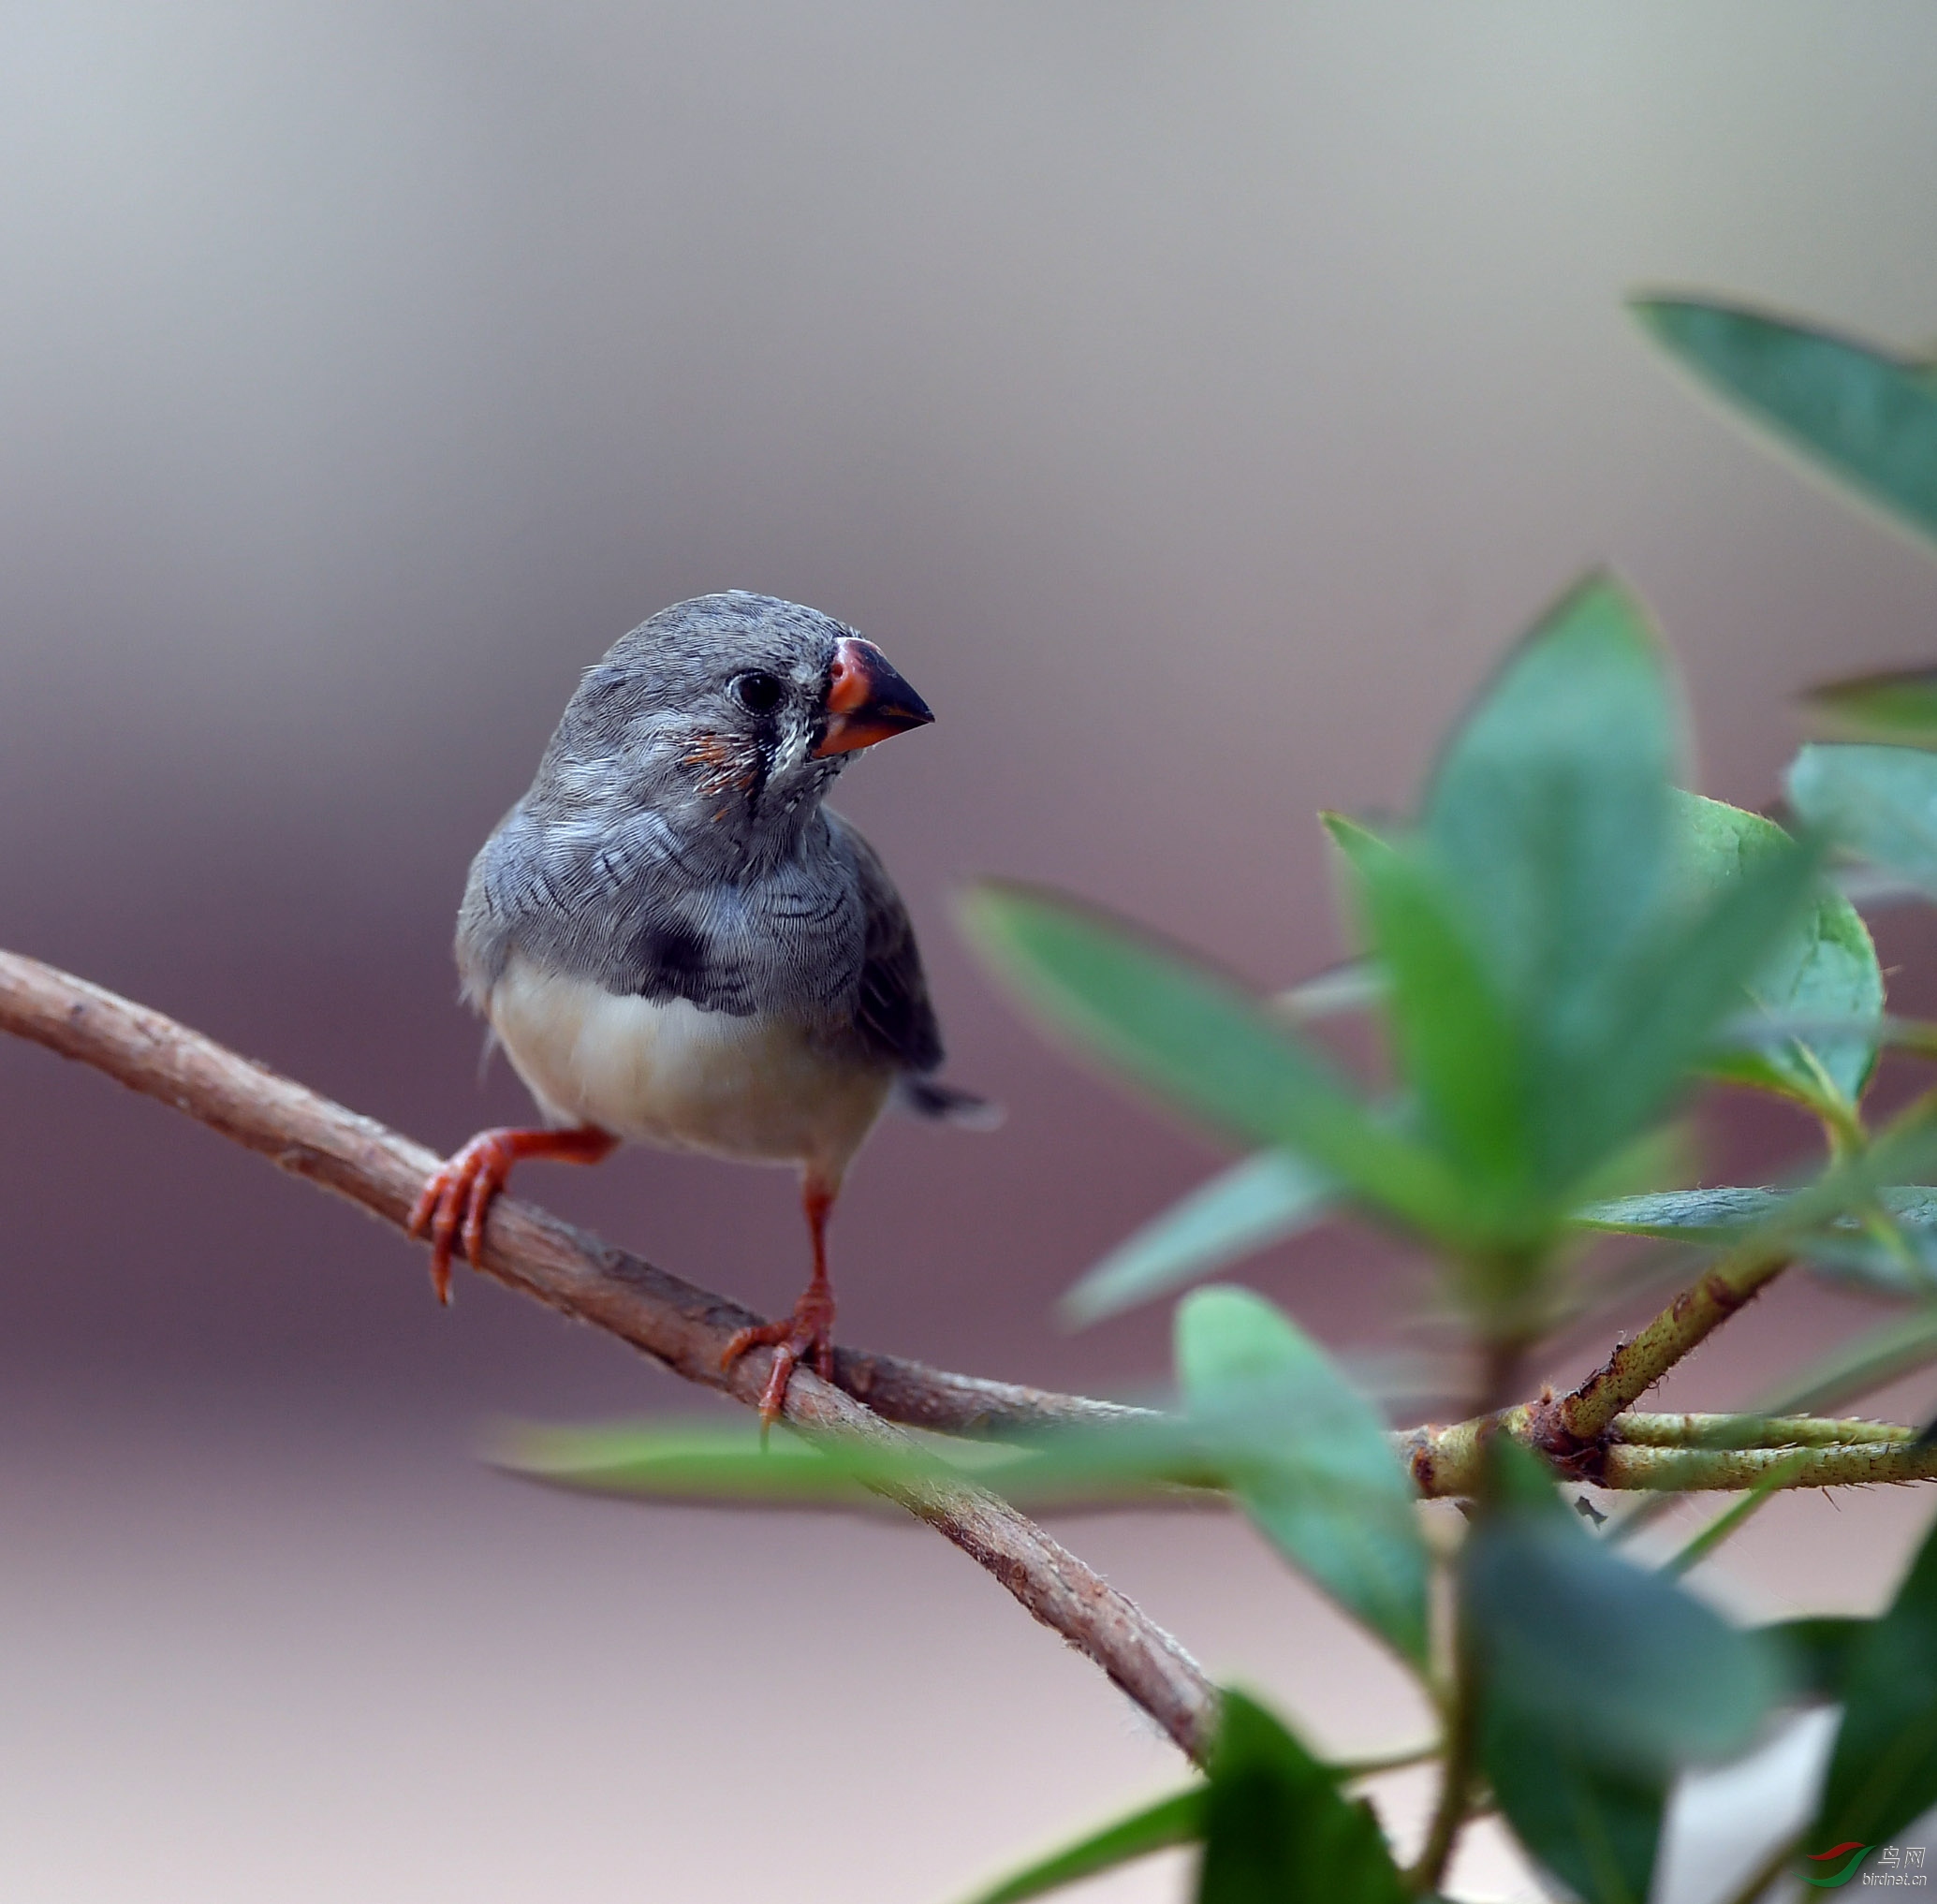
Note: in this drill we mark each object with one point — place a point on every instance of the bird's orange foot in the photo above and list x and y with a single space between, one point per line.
808 1332
458 1199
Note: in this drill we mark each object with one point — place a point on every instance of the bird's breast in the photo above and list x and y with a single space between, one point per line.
757 1087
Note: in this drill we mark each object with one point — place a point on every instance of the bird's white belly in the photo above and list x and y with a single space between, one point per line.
673 1074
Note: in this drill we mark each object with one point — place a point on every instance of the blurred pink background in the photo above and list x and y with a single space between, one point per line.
1192 405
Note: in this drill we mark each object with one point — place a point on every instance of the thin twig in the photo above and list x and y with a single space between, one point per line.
1458 1692
1636 1365
1753 1431
1728 1470
682 1326
1449 1462
1453 1808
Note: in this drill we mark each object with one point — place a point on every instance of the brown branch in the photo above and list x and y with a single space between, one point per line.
677 1323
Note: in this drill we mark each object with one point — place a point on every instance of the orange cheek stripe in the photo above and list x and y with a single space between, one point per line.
726 765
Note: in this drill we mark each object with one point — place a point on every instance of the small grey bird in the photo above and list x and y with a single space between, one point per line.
677 943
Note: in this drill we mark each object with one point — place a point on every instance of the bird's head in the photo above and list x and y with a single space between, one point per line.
732 711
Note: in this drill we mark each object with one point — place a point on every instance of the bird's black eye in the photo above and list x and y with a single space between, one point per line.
758 693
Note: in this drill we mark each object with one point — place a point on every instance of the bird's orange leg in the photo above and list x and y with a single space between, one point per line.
459 1195
810 1330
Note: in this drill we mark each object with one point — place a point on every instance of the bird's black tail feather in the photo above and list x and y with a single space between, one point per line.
943 1104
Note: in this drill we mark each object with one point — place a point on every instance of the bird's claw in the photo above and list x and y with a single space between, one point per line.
457 1200
808 1332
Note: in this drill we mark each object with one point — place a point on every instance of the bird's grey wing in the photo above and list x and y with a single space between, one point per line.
611 903
893 1018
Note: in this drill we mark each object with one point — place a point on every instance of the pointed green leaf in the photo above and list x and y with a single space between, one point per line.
1664 1006
1823 967
1363 848
1726 1213
682 1460
1880 801
1882 1773
1171 1822
1551 820
1548 811
1858 412
716 1462
1251 1205
1718 1215
1308 1457
1899 706
1596 1826
1242 1445
1889 1249
1611 1656
1199 1042
1458 1046
1277 1830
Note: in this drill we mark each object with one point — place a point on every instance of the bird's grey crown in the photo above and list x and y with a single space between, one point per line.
674 843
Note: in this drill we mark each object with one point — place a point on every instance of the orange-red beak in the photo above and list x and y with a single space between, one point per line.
867 700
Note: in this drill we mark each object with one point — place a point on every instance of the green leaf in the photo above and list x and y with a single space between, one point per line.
1889 1249
718 1463
1883 1774
1458 1046
1173 1820
1888 1255
1277 1830
1307 1458
1596 1826
726 1463
1865 416
1823 967
1612 1656
1251 1205
1363 847
1880 801
1201 1044
1256 1440
1819 1647
1548 816
1458 1043
1899 706
1538 854
1548 810
1673 1003
1551 819
1590 1814
1719 1215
